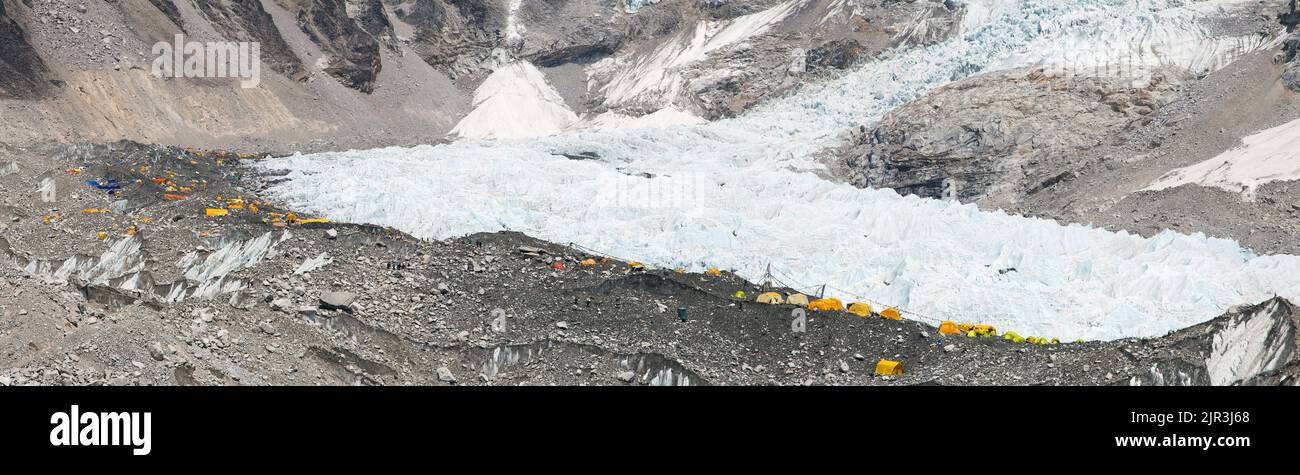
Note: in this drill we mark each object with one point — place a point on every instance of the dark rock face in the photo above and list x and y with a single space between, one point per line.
168 7
1001 135
572 31
835 54
372 18
354 53
455 36
1291 76
246 20
23 74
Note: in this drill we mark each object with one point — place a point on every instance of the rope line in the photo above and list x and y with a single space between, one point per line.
782 279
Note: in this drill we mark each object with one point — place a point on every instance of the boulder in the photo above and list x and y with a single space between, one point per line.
1291 76
337 300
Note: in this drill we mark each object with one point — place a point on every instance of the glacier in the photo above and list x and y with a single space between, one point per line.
745 193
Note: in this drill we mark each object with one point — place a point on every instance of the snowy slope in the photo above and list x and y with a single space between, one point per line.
655 78
515 101
1270 155
736 194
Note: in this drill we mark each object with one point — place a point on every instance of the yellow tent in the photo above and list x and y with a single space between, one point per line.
770 298
588 262
860 309
826 304
797 299
892 314
889 368
740 294
713 271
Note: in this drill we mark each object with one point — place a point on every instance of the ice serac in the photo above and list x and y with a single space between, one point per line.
743 193
1161 38
666 117
123 267
515 102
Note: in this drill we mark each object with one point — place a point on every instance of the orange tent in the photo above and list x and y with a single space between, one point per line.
826 304
860 309
948 328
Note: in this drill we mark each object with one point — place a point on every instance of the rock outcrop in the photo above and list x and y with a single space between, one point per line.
373 18
717 62
1291 76
1250 345
353 54
454 36
1001 135
23 74
246 20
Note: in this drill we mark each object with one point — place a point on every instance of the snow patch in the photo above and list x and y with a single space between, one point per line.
515 102
655 78
666 117
1270 155
514 27
1247 347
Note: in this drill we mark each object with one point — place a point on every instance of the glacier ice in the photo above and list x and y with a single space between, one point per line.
744 193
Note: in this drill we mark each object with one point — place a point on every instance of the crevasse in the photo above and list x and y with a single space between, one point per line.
741 194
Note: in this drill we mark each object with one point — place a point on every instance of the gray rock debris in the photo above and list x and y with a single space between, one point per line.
999 136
